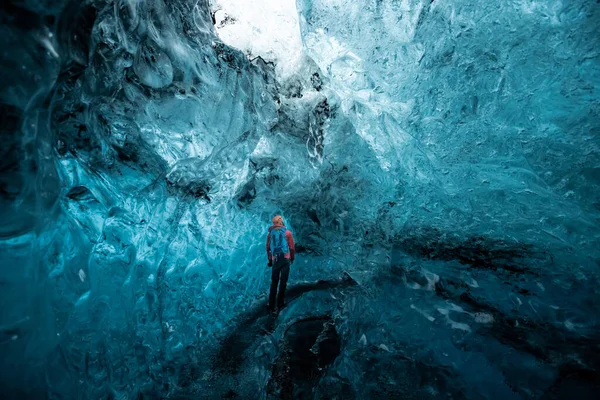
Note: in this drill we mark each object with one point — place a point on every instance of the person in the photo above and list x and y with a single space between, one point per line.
280 251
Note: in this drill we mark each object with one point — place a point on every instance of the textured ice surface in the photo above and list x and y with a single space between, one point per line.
437 162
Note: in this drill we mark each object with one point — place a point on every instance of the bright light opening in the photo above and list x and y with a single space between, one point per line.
266 28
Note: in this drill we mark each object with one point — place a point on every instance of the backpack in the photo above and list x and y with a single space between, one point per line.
278 243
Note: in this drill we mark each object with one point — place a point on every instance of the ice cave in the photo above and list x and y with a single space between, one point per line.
437 162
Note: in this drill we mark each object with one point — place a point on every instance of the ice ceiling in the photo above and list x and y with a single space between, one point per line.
437 161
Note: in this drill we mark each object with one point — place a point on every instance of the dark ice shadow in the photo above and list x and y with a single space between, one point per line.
259 322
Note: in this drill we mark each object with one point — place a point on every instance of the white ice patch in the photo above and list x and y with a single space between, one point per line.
50 47
82 275
266 28
83 299
570 325
473 283
541 286
423 313
443 311
363 340
264 147
432 279
459 325
483 318
515 299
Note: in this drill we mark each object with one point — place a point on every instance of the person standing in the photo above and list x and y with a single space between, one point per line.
280 251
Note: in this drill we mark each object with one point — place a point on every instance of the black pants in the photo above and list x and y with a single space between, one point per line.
279 275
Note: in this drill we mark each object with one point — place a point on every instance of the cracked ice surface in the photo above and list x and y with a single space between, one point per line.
437 162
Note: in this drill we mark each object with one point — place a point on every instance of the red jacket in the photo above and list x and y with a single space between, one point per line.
290 240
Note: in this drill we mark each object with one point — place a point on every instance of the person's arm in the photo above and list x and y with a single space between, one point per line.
269 247
290 241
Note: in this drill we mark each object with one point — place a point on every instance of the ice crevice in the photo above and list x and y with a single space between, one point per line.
437 162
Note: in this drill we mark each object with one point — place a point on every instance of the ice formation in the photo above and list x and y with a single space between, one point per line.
437 161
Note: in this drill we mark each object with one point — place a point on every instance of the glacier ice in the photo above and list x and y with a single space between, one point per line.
437 162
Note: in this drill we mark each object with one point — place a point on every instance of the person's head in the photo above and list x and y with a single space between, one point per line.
278 220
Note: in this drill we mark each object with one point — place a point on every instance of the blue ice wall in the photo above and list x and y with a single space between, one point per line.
437 162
